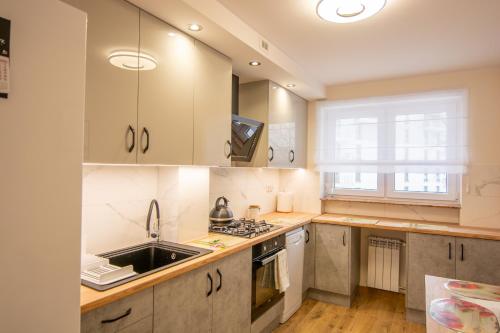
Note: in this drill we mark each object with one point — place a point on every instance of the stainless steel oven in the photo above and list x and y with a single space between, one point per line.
264 293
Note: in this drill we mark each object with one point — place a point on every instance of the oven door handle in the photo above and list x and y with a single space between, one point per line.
267 260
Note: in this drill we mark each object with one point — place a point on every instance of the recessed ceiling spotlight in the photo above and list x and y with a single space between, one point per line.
195 27
290 85
172 34
275 87
254 63
347 11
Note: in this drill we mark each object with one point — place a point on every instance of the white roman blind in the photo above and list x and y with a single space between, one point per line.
422 133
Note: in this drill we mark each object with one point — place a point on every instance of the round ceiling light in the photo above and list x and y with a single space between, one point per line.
290 85
254 63
195 27
132 60
347 11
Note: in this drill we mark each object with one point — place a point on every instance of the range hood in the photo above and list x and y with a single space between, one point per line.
245 134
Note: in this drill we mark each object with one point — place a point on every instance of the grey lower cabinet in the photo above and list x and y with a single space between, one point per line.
309 257
431 255
336 263
478 260
133 314
212 298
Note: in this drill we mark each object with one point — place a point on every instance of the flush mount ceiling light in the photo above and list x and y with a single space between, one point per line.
290 85
347 11
132 60
195 27
254 63
172 34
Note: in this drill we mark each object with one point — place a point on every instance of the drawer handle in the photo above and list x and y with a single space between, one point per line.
145 131
291 156
307 234
211 284
132 146
220 280
127 313
462 257
449 251
343 238
271 150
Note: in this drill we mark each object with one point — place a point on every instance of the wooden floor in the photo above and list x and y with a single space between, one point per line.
373 311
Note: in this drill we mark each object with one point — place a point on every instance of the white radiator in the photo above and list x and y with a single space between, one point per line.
383 263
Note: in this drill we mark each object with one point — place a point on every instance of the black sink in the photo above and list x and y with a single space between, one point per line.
148 258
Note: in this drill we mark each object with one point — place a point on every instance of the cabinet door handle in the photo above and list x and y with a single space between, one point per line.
127 313
343 239
271 150
211 284
145 131
220 280
462 258
307 234
228 144
131 130
292 158
449 251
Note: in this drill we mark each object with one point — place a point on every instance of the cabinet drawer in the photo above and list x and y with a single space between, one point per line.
144 325
120 315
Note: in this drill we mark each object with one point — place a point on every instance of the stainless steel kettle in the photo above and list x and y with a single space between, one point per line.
221 213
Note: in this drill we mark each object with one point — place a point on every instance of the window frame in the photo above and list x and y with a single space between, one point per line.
385 190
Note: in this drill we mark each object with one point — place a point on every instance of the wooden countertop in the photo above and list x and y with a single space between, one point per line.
435 289
423 227
91 299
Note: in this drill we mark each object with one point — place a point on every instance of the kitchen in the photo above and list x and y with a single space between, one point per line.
197 166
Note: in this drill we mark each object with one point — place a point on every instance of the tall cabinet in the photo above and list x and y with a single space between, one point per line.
175 112
284 114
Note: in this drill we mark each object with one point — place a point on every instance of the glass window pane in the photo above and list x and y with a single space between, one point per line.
421 182
356 181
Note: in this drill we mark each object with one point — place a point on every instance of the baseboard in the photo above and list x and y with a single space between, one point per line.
416 316
333 298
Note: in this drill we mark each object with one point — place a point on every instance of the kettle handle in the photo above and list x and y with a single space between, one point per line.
219 199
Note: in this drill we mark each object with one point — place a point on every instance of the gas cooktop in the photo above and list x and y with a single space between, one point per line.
243 228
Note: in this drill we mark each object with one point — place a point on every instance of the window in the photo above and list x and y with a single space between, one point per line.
410 147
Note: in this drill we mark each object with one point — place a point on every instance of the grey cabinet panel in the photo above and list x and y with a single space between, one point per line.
431 255
212 107
165 106
480 261
144 325
309 257
111 92
140 306
182 304
332 259
232 302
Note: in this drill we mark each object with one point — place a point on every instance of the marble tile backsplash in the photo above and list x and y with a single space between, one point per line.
481 197
244 187
409 212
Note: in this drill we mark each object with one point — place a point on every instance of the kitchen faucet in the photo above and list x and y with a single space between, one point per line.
150 228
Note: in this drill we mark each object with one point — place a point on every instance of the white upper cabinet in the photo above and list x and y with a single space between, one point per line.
165 112
212 107
111 92
283 143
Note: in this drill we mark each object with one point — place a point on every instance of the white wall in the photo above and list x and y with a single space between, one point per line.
41 140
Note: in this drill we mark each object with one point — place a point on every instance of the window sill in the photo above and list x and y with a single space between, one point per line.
428 203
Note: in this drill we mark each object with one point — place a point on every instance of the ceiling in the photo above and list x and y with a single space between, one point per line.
407 37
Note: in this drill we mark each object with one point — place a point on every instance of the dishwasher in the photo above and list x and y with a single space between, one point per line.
295 256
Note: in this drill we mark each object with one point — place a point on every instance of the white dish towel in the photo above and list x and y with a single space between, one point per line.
281 271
